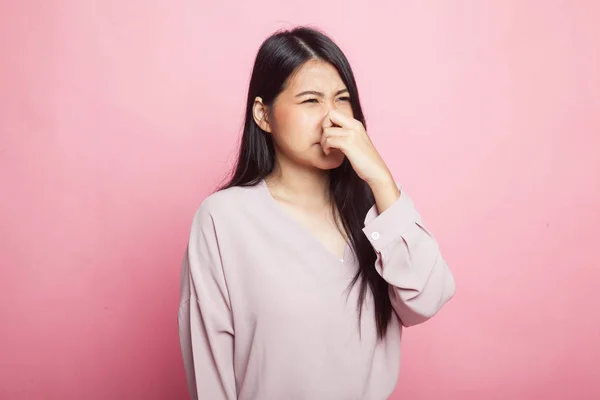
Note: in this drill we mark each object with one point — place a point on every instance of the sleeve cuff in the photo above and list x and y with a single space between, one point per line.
389 226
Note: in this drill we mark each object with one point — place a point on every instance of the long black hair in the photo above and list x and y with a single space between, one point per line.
279 56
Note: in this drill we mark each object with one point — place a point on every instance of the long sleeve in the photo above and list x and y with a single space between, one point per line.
205 322
409 259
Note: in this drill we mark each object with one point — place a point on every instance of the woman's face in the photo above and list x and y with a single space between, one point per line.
299 114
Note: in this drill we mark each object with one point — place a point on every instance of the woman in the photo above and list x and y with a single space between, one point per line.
301 271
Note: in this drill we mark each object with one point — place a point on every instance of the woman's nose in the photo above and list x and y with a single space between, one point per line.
326 120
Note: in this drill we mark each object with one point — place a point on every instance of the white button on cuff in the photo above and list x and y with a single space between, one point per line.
375 235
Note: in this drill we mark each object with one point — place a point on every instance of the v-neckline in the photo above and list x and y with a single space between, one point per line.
302 230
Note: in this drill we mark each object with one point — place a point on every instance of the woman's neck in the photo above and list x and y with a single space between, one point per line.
300 185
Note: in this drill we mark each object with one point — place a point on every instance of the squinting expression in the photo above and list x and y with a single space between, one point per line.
299 115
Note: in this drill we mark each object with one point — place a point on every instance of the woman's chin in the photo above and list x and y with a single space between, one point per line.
332 160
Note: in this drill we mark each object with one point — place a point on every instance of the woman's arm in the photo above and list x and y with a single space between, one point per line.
408 257
205 321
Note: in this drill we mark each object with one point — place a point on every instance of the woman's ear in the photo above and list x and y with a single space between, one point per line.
260 112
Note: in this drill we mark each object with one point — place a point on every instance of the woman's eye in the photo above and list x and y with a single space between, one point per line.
310 101
344 98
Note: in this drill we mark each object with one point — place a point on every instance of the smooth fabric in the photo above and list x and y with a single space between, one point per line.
265 309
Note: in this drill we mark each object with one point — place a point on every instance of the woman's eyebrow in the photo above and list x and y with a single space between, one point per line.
319 94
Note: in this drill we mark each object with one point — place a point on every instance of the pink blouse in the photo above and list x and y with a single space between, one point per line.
265 314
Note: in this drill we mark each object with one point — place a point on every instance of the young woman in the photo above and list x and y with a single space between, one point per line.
301 271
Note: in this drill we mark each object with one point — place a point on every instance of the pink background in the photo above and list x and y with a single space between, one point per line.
118 117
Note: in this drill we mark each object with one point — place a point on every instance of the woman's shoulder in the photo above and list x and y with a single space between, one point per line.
228 202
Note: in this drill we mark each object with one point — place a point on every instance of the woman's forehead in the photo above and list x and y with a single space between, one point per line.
316 75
